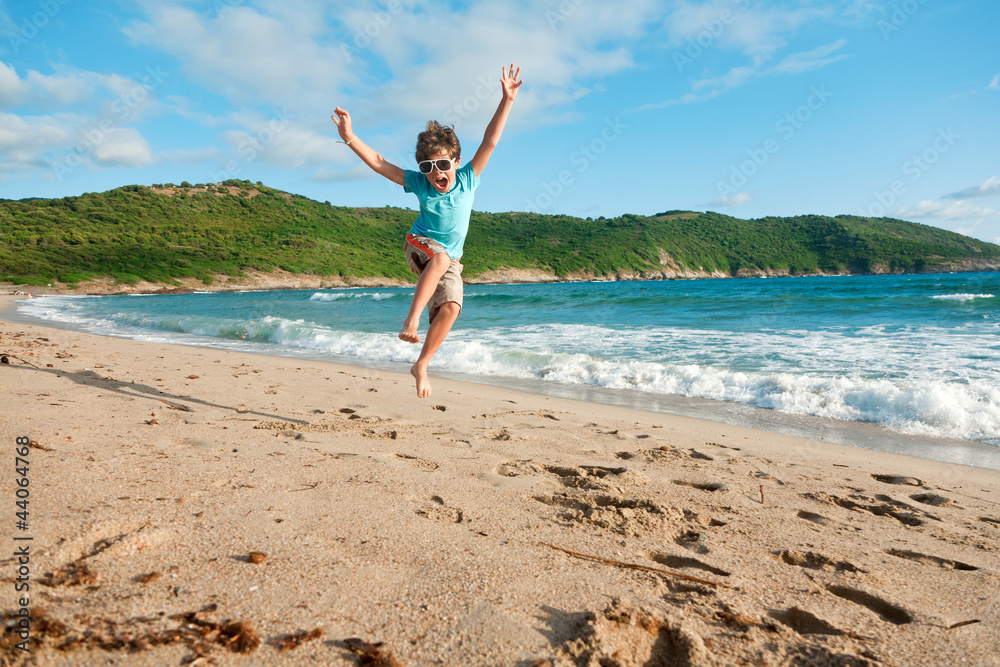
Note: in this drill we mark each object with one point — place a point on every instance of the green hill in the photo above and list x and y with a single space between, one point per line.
161 234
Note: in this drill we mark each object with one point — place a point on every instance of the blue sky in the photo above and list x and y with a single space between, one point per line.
746 107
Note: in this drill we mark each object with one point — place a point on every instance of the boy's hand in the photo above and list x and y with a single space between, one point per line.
510 82
344 124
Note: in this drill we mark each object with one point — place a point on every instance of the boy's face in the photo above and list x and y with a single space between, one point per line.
442 180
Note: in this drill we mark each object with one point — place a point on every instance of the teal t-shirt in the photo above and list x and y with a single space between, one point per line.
444 217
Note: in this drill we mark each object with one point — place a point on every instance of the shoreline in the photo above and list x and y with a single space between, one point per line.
864 435
435 526
282 280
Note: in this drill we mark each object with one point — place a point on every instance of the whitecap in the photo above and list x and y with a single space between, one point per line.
961 297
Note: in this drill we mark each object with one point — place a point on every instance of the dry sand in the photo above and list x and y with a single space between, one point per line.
435 527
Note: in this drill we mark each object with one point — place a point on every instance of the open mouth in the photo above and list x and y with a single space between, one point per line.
441 182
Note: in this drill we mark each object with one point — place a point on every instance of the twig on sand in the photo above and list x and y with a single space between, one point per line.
3 359
963 623
308 487
636 566
175 406
761 494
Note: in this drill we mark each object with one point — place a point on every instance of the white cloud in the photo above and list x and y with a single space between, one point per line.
759 31
13 90
756 30
408 61
796 63
738 199
989 187
249 55
24 136
122 146
90 120
962 217
65 87
445 63
58 143
959 210
281 142
995 83
807 60
389 64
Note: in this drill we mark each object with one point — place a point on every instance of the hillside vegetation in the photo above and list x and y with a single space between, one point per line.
160 234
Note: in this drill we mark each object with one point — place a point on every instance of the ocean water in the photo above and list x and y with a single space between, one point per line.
915 355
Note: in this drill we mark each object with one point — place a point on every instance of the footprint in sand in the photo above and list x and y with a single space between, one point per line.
821 520
932 499
629 517
815 561
692 540
898 479
704 486
760 474
685 562
599 478
925 559
889 611
117 539
665 453
880 505
436 510
804 622
625 635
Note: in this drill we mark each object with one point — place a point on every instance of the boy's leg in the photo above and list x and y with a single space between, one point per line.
446 315
427 283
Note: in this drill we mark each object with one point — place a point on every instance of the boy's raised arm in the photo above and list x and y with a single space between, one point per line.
510 84
367 154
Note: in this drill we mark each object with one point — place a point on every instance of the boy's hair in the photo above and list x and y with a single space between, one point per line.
435 138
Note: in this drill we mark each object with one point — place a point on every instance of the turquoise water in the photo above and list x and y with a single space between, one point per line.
915 354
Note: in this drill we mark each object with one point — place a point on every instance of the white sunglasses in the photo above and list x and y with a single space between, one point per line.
442 164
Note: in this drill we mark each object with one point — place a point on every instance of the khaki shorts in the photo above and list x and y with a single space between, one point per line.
419 250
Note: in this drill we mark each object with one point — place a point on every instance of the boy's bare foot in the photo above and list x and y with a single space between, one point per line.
423 382
409 334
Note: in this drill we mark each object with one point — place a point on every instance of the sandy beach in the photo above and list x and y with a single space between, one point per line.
198 506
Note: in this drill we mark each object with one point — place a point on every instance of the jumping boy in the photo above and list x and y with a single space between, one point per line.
435 243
